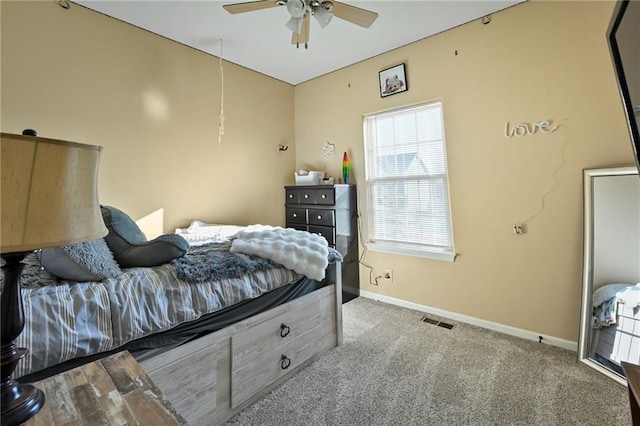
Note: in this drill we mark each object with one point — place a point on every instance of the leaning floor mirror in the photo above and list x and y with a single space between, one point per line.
610 319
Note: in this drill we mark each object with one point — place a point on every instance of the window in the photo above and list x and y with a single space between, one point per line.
407 186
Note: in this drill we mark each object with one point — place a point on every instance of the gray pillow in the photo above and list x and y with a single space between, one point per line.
130 247
87 261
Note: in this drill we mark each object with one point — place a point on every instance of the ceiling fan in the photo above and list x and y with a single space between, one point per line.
301 11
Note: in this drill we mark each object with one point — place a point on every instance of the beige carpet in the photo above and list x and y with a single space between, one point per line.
394 369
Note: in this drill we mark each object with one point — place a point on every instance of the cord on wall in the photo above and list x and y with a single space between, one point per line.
552 182
221 114
364 249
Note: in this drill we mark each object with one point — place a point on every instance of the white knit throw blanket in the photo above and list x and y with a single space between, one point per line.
300 251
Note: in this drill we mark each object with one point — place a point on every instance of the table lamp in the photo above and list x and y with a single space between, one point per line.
48 198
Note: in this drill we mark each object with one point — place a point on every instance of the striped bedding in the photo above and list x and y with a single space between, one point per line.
71 320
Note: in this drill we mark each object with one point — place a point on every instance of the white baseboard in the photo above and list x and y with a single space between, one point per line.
513 331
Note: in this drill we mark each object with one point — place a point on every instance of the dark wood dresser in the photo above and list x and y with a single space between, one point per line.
330 211
632 371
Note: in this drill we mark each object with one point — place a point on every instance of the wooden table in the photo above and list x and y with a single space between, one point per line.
113 390
632 372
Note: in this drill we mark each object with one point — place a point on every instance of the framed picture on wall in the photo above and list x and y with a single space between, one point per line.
393 80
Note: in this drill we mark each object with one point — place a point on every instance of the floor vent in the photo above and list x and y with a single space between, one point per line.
438 323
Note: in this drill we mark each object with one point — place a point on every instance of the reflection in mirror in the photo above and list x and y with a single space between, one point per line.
610 320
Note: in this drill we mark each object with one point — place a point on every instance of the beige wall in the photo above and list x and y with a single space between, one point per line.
153 105
535 61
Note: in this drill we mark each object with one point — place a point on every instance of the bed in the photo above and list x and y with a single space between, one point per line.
616 324
213 338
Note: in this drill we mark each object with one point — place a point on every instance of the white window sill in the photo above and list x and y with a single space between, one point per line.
428 254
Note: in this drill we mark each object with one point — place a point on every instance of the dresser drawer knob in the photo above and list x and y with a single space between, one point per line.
284 362
324 195
290 195
306 195
284 330
295 215
319 217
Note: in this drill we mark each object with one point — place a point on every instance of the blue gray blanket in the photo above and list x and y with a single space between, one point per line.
210 262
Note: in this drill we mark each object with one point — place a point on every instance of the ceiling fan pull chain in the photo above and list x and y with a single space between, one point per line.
221 115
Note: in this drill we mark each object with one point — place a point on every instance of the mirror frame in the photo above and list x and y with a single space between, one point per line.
587 273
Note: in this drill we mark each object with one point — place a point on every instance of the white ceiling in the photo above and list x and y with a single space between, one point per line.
259 41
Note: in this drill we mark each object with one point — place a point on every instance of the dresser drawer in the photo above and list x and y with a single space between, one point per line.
255 342
292 196
319 196
296 215
297 226
321 217
327 232
324 196
249 379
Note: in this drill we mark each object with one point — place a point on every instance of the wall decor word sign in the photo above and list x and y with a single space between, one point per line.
524 129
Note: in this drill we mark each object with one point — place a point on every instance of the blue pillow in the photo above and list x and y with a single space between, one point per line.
130 247
87 261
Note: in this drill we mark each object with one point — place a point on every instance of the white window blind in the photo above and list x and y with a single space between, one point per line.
406 174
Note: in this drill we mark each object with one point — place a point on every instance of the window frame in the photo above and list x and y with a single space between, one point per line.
410 249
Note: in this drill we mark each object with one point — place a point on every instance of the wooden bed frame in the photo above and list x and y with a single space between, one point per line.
212 378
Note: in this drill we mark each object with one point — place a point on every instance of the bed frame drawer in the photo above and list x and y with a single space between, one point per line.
249 379
203 378
191 382
253 343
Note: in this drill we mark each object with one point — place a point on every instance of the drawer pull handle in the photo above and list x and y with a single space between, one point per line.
284 362
319 217
284 330
324 195
295 215
290 195
306 195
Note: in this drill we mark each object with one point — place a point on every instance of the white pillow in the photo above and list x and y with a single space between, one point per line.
629 293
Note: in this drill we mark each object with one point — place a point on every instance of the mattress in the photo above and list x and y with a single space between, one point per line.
72 320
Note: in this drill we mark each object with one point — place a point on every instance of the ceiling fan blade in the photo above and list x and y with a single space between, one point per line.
355 15
303 35
249 6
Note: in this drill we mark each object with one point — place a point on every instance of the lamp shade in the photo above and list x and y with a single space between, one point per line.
49 194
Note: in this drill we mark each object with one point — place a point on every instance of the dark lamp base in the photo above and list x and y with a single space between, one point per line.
19 402
28 400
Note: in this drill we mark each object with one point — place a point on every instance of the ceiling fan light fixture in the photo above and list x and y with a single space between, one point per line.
323 14
296 8
295 25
